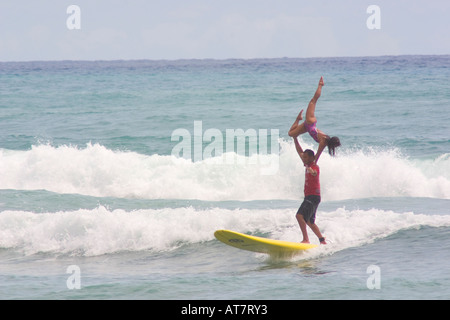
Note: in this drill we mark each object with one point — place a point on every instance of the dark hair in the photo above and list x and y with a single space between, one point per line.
332 144
310 153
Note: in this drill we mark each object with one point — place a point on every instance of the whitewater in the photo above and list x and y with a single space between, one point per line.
95 170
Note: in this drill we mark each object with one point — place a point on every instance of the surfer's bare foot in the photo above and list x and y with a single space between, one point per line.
322 241
305 241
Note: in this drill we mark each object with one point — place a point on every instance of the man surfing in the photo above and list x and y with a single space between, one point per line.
306 214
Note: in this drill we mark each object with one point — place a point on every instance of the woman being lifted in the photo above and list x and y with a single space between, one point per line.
309 125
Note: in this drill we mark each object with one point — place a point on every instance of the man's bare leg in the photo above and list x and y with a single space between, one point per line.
316 231
302 224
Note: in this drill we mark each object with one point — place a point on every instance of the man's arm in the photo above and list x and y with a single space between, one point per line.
322 146
302 155
299 149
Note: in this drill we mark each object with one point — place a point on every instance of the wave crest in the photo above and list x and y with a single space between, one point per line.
98 171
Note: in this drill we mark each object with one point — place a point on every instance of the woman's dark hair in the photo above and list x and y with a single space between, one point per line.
332 144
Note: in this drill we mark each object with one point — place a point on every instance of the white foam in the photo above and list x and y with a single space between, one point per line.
102 231
98 171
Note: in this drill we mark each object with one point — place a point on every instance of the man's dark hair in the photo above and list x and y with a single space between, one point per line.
310 153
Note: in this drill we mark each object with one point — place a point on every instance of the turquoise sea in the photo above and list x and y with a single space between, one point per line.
96 204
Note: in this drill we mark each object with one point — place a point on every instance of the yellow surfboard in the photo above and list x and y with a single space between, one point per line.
272 247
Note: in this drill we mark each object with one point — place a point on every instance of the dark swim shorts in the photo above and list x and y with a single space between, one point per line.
309 207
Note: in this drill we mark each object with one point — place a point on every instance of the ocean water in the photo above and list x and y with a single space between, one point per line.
112 185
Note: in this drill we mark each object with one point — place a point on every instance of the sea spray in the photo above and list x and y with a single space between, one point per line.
98 171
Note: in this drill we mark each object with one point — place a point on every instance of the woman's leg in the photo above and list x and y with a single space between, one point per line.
310 112
296 128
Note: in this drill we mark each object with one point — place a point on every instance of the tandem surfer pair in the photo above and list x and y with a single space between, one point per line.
306 214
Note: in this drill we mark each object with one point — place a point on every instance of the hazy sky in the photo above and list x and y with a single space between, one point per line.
220 29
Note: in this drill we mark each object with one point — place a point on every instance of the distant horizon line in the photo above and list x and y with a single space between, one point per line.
224 59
